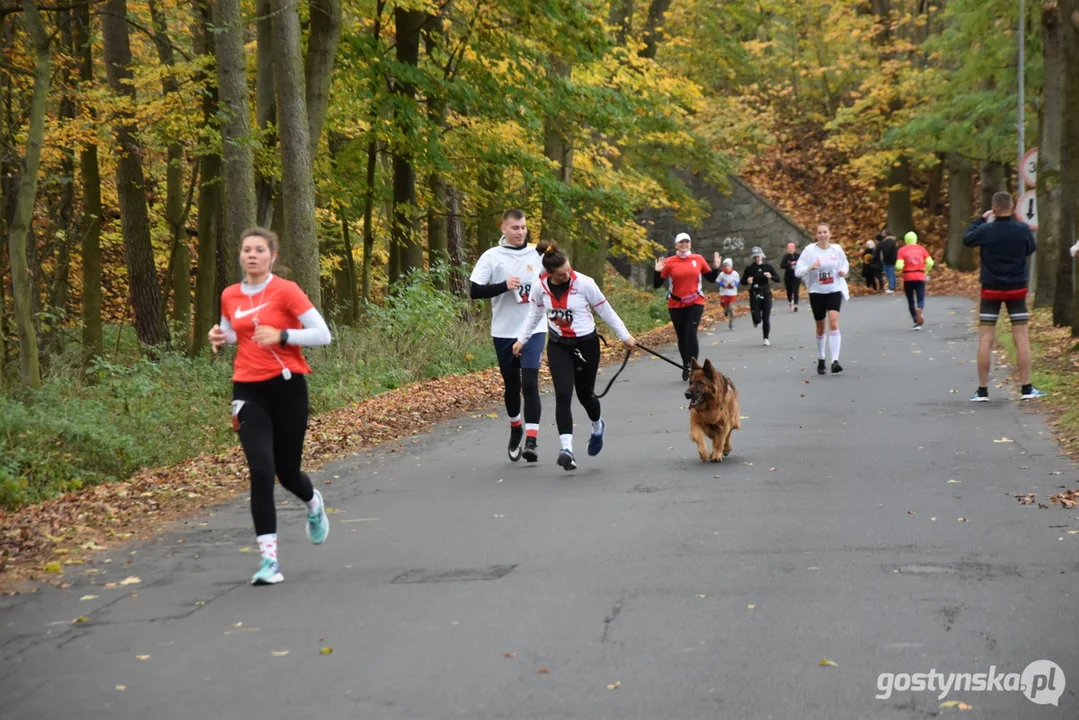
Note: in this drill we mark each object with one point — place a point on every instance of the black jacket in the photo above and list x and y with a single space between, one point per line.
788 262
889 249
1006 244
754 279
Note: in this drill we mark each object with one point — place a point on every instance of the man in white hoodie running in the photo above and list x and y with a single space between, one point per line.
824 268
506 274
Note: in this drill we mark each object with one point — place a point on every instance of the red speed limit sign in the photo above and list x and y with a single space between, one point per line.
1029 167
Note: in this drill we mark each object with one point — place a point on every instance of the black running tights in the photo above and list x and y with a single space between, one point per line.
685 321
574 367
273 423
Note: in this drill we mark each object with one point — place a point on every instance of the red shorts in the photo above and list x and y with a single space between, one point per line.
727 300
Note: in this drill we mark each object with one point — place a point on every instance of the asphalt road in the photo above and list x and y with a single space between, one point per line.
455 584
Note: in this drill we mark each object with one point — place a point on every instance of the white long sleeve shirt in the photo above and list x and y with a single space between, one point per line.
570 316
824 279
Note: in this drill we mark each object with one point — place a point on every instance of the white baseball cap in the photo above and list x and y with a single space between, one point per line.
680 237
728 261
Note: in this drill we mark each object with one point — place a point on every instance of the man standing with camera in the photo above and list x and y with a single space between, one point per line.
1007 245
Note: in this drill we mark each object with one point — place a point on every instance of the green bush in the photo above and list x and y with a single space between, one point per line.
125 412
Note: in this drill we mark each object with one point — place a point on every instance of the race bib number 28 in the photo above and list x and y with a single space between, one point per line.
523 291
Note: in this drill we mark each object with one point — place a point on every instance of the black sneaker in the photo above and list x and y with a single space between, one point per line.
529 453
516 435
836 367
685 374
566 460
820 367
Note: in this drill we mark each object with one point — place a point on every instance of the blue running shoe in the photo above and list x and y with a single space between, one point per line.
269 573
318 525
1033 394
595 443
980 396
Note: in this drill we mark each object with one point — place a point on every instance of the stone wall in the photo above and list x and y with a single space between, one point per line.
733 226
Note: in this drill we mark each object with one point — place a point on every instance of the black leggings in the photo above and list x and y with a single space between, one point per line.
760 307
574 366
794 287
685 321
526 379
273 423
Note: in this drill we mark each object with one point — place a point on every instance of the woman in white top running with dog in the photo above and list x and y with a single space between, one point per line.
568 299
824 268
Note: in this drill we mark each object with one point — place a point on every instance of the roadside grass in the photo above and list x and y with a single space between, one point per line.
104 423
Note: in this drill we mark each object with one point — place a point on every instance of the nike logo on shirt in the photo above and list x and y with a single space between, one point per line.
244 313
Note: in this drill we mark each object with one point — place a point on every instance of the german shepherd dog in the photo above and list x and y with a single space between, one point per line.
713 410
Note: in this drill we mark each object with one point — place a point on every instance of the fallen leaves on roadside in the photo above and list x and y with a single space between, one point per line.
88 597
1066 499
142 657
279 653
956 704
121 688
131 580
81 619
542 671
828 663
615 685
1024 499
1004 440
326 651
509 656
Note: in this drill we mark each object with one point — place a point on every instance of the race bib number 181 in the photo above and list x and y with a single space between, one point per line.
825 277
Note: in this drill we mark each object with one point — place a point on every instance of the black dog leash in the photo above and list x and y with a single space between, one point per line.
629 352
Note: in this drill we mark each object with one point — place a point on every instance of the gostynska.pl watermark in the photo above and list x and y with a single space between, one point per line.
1042 682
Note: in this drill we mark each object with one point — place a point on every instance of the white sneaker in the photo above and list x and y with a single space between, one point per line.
767 342
889 292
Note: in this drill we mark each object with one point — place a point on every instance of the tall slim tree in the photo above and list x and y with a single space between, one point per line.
209 200
960 210
179 276
90 223
404 236
29 367
300 238
237 155
1067 313
1051 127
130 183
322 38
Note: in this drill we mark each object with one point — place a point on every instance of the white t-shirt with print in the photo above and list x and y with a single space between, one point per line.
728 278
570 315
499 264
824 279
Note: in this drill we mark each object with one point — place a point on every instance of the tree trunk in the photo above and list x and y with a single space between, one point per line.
656 10
992 176
322 39
621 19
130 184
209 201
936 182
1050 152
175 207
960 212
437 227
1066 312
347 292
404 233
457 243
900 213
557 147
29 368
90 225
58 293
300 238
368 212
237 158
265 109
372 160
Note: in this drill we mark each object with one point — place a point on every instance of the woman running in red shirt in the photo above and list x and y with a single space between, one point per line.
685 300
270 319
